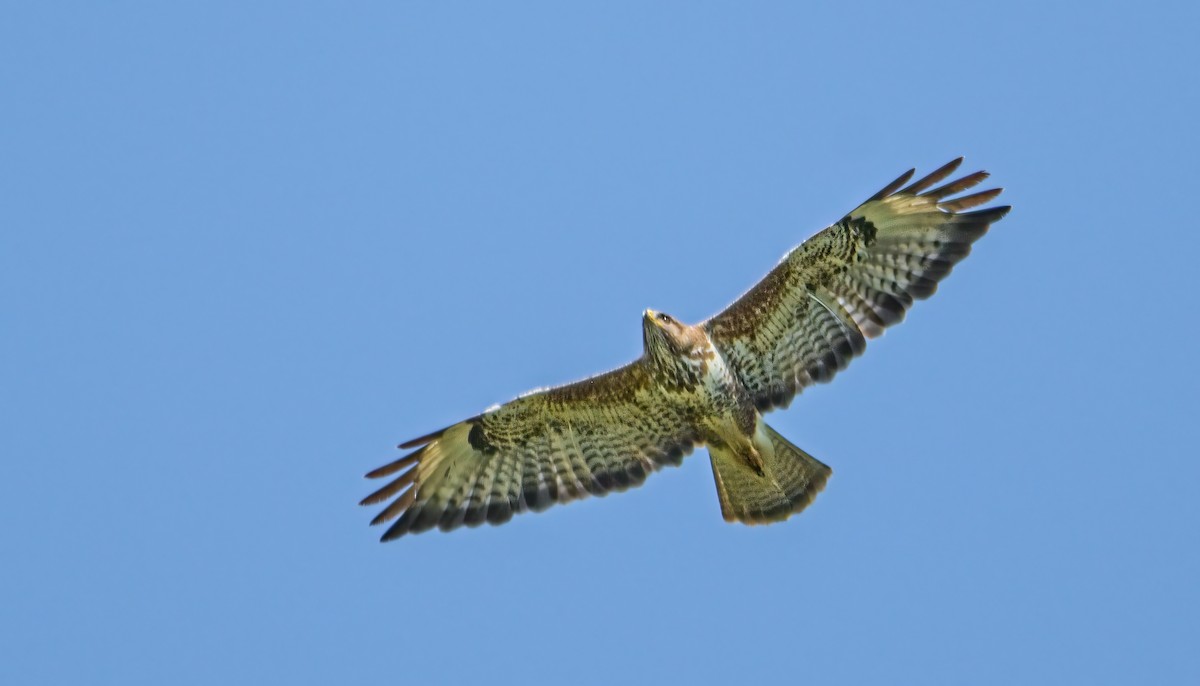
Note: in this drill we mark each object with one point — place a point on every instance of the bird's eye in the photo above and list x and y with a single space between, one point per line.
664 318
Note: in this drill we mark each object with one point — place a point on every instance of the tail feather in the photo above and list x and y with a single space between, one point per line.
790 480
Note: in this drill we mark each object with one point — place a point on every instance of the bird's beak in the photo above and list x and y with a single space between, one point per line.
653 317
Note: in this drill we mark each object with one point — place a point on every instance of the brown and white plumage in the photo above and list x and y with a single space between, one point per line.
703 384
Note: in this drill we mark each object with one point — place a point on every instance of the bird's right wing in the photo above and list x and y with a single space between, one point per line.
812 314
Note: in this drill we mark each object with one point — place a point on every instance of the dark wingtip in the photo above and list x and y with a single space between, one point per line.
893 186
957 186
398 528
968 201
432 436
933 177
989 215
1002 211
427 438
394 466
403 508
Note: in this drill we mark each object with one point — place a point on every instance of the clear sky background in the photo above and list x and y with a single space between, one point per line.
244 251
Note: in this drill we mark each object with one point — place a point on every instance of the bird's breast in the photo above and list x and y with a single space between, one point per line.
721 386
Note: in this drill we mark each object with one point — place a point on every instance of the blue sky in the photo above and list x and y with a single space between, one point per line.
244 251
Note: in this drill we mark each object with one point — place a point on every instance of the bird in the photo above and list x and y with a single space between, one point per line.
707 384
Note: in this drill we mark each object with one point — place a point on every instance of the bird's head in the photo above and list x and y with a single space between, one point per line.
661 329
672 343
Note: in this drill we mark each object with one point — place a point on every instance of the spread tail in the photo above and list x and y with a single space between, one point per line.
790 480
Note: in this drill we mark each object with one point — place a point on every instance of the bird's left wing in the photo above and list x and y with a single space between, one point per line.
812 314
598 435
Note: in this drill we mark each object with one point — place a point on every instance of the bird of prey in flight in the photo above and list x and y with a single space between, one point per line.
702 384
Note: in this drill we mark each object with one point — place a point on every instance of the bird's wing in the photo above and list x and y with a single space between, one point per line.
813 312
551 446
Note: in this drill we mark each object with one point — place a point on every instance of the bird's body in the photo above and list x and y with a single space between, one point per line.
701 384
720 407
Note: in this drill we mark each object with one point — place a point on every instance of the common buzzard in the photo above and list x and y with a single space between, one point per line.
703 384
